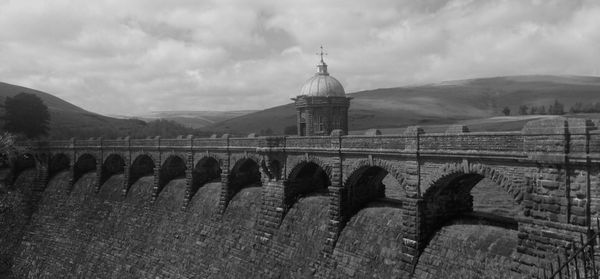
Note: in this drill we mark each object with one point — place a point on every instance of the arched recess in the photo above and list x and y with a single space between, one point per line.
58 162
363 186
297 161
245 173
305 179
448 197
84 164
173 168
114 164
143 165
206 170
395 184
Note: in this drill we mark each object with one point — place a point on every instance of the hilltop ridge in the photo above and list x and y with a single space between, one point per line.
435 104
471 101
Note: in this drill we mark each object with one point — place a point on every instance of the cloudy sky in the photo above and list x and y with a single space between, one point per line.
131 57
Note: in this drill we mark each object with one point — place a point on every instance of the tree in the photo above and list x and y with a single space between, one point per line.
506 111
542 110
557 108
26 114
523 110
533 110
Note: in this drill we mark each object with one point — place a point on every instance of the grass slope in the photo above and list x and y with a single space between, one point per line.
437 104
68 120
194 119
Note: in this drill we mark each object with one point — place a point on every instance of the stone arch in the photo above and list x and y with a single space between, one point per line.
448 194
142 165
452 170
174 167
166 156
323 164
85 163
244 173
306 178
113 164
203 156
362 186
237 158
153 156
58 162
386 165
207 169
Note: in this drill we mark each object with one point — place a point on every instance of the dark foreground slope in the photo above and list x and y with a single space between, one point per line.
442 103
83 234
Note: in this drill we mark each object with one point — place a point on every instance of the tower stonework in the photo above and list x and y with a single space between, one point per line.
322 105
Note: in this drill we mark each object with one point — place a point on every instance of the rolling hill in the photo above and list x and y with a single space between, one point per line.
474 102
194 119
435 104
68 120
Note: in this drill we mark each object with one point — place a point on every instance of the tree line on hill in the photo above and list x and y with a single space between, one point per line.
557 108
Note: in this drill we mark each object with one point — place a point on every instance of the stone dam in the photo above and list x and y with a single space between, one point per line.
417 205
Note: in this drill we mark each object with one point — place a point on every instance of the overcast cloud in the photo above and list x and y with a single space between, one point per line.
132 57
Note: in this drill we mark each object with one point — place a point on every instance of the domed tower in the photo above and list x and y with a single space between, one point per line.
322 105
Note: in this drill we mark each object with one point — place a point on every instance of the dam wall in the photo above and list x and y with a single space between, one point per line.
76 232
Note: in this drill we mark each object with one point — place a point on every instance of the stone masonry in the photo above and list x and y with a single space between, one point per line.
550 168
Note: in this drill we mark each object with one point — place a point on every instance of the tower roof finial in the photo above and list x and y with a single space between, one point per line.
322 67
321 53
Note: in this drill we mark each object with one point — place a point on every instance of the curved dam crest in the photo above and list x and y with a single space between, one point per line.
84 234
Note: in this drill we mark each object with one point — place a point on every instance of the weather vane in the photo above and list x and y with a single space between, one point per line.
321 53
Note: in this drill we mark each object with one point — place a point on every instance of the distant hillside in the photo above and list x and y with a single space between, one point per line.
195 119
68 120
435 104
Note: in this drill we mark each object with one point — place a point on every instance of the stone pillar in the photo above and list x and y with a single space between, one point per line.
412 238
336 195
126 174
126 167
99 160
272 208
72 166
413 235
225 193
335 216
99 173
188 180
155 182
72 175
413 167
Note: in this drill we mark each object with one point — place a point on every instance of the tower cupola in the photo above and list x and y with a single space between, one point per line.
322 105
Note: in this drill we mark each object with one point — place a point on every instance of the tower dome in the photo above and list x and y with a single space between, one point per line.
322 84
322 105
